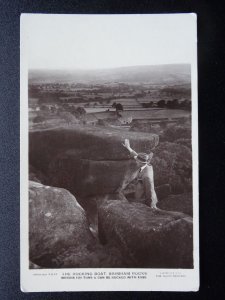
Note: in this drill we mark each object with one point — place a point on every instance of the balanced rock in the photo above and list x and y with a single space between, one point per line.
85 160
149 238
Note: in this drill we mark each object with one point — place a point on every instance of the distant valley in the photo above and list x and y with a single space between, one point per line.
179 74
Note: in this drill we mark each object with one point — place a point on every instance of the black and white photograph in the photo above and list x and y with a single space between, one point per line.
109 152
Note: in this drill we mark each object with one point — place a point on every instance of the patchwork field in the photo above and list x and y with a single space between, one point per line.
147 114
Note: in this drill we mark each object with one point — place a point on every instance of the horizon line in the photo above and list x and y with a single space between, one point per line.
105 68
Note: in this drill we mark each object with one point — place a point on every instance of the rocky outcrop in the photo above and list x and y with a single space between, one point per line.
149 238
85 177
56 222
90 163
181 203
85 160
59 235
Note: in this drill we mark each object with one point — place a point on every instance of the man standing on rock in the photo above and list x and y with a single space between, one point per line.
142 177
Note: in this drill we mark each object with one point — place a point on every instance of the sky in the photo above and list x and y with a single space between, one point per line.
106 41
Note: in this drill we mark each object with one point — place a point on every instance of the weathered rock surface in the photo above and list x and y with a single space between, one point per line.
85 160
59 235
85 177
56 222
181 203
149 238
91 256
88 142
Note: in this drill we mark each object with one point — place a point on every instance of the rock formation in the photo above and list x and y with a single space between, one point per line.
56 222
59 235
85 160
149 238
90 163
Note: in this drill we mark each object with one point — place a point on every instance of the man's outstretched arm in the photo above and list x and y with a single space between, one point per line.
128 147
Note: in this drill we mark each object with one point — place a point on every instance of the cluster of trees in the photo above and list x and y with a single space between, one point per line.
171 104
148 104
69 113
175 132
175 104
173 158
78 111
118 107
173 165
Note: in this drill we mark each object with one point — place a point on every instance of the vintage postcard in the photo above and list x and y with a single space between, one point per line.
109 153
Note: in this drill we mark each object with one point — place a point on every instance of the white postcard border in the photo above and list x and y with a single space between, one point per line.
36 280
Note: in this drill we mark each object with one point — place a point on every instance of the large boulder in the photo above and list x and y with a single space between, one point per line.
149 238
87 142
85 177
59 235
85 160
56 222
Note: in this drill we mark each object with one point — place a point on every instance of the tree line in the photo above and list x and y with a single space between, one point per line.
171 104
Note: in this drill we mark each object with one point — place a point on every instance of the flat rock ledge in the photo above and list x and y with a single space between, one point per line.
148 238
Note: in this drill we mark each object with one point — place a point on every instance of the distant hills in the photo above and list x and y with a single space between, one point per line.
155 74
